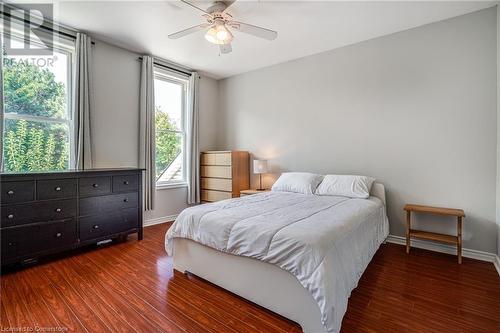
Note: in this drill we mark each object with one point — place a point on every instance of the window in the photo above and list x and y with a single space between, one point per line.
37 131
170 105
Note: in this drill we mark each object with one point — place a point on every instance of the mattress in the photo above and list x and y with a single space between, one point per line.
326 242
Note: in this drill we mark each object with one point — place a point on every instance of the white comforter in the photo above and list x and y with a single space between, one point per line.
326 242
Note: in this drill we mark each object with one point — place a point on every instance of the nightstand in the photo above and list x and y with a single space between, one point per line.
250 192
433 236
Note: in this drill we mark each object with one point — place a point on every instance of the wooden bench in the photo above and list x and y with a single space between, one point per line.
433 236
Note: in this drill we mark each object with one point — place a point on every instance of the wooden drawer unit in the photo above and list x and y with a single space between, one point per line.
17 214
55 189
38 211
216 171
125 183
108 203
21 191
207 159
98 226
17 243
217 184
216 158
44 213
212 196
223 159
56 210
89 186
56 235
223 174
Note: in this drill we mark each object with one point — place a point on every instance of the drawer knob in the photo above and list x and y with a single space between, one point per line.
58 234
96 227
58 210
10 216
10 192
12 243
125 200
57 189
125 182
95 185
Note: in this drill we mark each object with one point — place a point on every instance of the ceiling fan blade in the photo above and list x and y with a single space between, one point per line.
188 31
254 30
225 48
196 7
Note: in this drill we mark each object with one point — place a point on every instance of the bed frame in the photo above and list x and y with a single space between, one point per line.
262 283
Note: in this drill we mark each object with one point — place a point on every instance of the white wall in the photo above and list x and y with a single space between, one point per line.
416 110
498 131
114 122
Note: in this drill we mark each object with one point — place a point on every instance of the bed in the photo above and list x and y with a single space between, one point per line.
297 255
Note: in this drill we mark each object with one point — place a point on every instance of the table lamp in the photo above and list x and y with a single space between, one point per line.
260 167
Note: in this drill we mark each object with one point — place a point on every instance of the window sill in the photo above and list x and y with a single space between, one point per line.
170 186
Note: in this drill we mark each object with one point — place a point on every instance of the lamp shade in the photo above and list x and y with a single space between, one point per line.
219 34
260 166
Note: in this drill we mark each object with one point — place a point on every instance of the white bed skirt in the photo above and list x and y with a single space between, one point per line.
264 284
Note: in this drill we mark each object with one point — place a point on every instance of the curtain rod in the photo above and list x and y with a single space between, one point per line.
159 64
44 27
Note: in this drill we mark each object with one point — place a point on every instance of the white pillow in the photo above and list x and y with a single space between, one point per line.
346 186
299 182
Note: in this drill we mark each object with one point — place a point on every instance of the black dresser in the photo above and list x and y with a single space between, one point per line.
44 213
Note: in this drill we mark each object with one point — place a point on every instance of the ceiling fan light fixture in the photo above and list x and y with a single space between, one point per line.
218 25
222 34
219 34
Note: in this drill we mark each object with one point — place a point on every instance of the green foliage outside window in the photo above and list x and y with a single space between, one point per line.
44 146
32 90
168 143
34 145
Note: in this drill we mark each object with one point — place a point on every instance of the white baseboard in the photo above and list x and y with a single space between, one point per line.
497 263
160 220
448 249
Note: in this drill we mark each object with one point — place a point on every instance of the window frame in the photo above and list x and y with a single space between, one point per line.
166 75
60 47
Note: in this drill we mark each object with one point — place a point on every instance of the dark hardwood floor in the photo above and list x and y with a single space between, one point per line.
131 287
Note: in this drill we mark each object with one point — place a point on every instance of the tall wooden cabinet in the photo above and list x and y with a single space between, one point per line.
223 174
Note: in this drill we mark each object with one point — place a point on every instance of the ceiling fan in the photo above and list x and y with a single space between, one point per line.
217 27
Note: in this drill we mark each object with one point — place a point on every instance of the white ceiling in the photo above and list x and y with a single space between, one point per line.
304 27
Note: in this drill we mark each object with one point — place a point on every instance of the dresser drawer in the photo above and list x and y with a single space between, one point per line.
57 188
223 159
18 192
207 159
17 214
125 183
108 203
16 242
218 184
211 196
39 211
216 171
94 227
216 159
94 185
61 209
55 235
